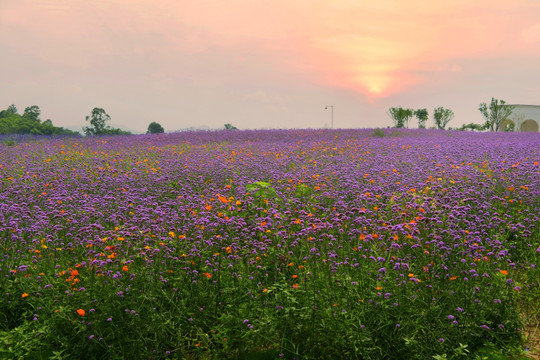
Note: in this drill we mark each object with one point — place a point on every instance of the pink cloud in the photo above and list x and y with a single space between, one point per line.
376 48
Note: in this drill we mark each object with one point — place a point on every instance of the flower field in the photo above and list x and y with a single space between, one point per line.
319 244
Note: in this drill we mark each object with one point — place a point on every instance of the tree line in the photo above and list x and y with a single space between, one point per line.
494 114
29 122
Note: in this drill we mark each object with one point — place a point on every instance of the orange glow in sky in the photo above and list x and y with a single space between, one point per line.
377 49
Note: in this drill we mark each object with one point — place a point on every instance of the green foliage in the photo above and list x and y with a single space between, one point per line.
495 113
12 109
11 122
422 115
378 133
155 128
230 127
473 127
509 127
442 117
9 142
400 116
262 191
98 124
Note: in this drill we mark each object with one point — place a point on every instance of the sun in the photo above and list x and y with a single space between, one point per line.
374 67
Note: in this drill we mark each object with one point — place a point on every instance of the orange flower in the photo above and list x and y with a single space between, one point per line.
294 276
81 312
24 295
453 278
504 272
125 268
208 275
223 199
295 286
74 273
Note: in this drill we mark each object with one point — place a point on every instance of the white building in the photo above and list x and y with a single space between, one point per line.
525 118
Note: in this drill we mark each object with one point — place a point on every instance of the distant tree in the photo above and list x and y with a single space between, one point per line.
442 117
116 131
422 115
155 128
12 109
11 122
400 116
98 121
32 113
473 127
495 113
230 127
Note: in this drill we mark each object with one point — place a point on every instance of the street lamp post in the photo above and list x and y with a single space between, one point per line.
332 108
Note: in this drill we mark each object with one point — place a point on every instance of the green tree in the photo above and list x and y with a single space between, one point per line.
442 117
32 112
155 128
400 116
495 113
472 126
98 122
230 127
422 115
11 122
12 109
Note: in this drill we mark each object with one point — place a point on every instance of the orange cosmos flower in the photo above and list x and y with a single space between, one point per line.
504 272
24 295
125 268
223 199
208 275
295 286
81 312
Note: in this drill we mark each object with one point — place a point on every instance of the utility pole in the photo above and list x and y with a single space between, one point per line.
332 108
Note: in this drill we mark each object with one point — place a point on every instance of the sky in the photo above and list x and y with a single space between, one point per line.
262 64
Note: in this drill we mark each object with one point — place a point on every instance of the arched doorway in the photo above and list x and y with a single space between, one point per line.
529 126
507 125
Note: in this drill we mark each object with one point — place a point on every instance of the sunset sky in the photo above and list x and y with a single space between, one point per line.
265 64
